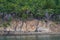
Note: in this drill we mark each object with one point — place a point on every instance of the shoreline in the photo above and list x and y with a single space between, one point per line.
15 33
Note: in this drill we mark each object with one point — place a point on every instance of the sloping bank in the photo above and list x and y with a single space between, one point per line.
31 27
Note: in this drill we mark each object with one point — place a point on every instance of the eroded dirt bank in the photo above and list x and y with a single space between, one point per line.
32 26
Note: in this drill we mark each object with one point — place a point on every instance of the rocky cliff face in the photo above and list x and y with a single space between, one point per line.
32 26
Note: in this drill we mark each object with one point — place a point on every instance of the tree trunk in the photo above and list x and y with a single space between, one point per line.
37 26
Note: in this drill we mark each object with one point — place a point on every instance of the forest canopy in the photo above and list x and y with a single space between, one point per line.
40 9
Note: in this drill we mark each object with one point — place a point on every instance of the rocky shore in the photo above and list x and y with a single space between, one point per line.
32 26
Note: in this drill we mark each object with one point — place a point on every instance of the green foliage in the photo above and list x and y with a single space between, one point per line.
6 24
36 7
24 16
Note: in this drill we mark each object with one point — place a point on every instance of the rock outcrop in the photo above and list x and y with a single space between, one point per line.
32 26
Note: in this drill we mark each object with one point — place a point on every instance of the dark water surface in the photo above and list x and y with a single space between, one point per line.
31 37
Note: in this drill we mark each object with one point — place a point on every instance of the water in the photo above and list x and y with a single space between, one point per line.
31 37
